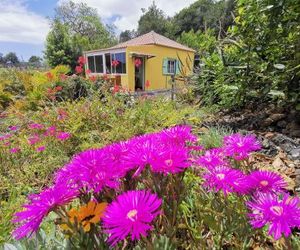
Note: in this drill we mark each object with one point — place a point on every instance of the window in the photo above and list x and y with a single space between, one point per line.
121 67
95 63
171 67
102 63
91 64
99 64
108 63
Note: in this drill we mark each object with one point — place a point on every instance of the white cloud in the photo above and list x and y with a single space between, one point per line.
129 11
18 24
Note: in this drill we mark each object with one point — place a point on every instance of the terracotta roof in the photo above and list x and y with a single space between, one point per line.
148 39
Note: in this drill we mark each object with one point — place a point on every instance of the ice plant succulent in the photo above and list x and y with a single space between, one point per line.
131 214
91 170
266 181
239 147
279 213
226 179
212 158
38 208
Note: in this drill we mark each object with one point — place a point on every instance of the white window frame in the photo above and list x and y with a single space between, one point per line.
102 53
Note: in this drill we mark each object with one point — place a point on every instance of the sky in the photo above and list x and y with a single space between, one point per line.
24 24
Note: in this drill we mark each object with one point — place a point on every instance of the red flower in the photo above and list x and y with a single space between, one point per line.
105 77
88 71
49 75
115 63
78 69
58 88
147 84
63 77
93 78
81 60
116 89
137 62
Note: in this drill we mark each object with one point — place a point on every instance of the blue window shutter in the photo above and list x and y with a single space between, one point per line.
165 66
178 67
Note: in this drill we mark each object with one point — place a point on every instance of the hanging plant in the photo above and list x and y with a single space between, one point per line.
138 62
115 63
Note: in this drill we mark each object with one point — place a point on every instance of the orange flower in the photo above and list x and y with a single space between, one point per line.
88 214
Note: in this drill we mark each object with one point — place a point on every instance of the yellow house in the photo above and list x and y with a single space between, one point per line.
147 62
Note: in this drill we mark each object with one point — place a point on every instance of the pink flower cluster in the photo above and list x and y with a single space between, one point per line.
94 170
171 151
38 132
269 203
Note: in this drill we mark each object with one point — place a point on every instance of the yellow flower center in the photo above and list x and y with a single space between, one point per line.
220 176
278 210
264 183
132 215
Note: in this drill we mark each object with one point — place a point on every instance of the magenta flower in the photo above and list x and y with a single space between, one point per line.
170 159
179 135
239 146
41 148
63 136
14 150
212 158
35 126
92 170
33 140
38 208
51 131
13 128
144 148
5 137
266 181
280 214
131 214
226 179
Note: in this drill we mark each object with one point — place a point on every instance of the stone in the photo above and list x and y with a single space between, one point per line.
277 117
281 124
295 154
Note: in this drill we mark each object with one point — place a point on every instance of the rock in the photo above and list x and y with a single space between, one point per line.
295 133
276 117
269 135
295 154
267 122
281 124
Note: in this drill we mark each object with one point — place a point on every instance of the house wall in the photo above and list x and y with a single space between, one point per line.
154 66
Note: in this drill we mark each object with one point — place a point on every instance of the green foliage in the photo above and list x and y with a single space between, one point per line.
154 19
11 58
258 61
213 137
60 47
76 27
203 15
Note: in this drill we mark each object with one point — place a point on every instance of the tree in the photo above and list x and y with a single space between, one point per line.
11 58
205 14
127 35
1 58
35 61
154 19
84 23
60 49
